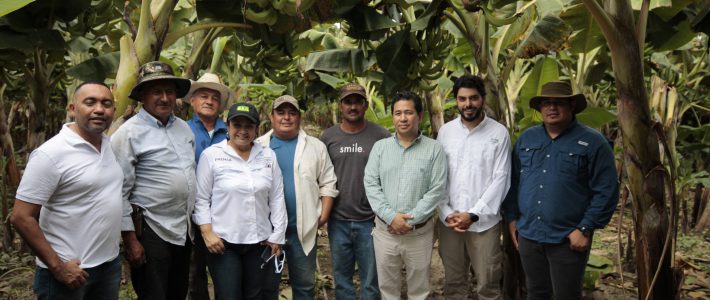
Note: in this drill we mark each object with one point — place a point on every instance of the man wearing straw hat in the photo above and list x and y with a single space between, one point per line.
564 186
156 152
207 96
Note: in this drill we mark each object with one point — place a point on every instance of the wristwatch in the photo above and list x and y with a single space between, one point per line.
474 217
586 231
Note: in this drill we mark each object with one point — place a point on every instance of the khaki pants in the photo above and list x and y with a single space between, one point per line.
481 250
413 250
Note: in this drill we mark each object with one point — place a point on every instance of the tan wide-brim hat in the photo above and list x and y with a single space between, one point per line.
211 81
559 90
154 71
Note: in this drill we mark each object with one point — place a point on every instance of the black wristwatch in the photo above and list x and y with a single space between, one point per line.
586 231
474 217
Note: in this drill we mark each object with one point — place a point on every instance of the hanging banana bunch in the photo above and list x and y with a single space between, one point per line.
488 12
432 47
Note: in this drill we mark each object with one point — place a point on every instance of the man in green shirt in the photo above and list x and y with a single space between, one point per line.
405 178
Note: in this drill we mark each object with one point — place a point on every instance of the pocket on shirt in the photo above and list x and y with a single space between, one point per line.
526 154
419 170
572 162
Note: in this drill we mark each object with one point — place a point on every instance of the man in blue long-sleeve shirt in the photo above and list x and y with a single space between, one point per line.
564 186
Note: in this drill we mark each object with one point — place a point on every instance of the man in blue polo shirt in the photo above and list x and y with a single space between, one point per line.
564 186
208 96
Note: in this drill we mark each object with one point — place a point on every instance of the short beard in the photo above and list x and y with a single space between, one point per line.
475 116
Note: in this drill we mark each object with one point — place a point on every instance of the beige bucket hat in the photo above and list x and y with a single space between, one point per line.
211 81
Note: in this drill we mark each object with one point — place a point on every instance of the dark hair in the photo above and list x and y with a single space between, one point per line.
407 96
471 82
90 82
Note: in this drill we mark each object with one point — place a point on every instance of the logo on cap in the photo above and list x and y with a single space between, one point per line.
243 108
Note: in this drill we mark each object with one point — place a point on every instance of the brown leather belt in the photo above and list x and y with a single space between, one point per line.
416 226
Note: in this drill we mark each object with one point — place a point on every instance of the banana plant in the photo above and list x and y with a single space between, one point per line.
654 224
151 35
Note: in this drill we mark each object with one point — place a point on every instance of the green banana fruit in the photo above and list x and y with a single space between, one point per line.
494 20
259 3
267 16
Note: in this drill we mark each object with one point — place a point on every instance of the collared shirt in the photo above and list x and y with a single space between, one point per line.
202 136
314 178
158 163
409 181
479 170
561 184
79 189
243 200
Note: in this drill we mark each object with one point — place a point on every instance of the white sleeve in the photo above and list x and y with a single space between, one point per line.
445 208
277 205
40 179
491 199
205 183
126 158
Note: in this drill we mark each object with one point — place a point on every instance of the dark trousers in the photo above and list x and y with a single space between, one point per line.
165 273
237 272
272 280
198 268
552 269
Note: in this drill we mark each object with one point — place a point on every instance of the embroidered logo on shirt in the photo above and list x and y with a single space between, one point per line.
583 143
222 159
494 140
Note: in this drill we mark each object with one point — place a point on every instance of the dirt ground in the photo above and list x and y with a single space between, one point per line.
610 246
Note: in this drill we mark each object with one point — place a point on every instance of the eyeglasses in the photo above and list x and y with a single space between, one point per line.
555 102
278 261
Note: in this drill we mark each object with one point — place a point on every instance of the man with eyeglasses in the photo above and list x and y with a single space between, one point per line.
309 189
564 186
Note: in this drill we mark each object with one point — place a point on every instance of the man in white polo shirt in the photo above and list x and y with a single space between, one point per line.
75 182
478 152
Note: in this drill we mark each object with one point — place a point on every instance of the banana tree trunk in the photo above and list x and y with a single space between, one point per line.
38 79
657 279
11 178
151 32
433 101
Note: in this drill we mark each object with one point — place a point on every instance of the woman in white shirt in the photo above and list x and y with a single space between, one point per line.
240 207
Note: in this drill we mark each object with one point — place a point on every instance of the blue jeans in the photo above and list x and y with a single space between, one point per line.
103 283
351 242
301 268
237 272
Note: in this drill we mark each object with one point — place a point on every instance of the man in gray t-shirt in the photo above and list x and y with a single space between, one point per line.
351 219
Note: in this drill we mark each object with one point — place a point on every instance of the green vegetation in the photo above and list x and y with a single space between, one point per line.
643 65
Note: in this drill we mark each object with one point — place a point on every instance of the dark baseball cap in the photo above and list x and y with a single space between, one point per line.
243 109
352 89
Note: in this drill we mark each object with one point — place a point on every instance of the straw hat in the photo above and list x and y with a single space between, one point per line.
559 90
211 81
